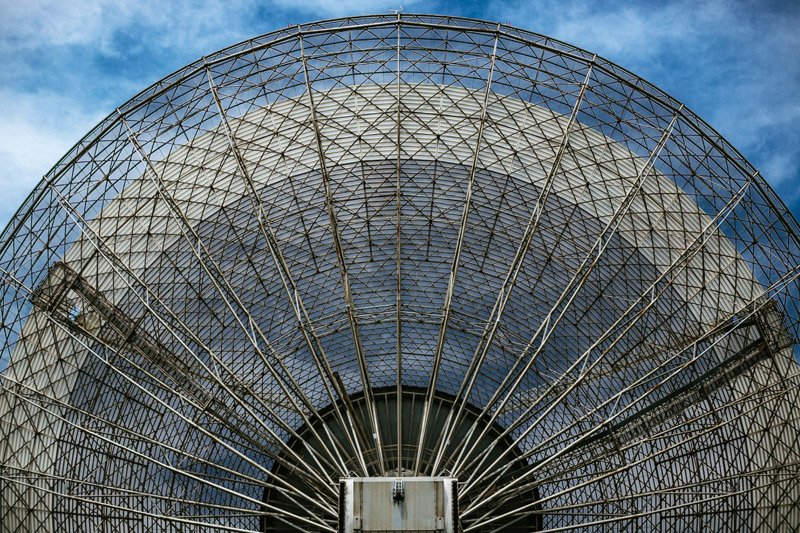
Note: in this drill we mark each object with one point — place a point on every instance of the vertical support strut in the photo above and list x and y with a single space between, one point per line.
348 295
568 296
399 277
504 295
681 262
198 247
448 297
290 287
209 267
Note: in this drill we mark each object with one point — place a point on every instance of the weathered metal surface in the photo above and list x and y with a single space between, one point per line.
372 505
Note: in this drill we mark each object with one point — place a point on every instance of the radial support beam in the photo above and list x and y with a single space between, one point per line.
100 320
149 459
788 472
90 425
209 266
504 294
151 386
648 299
124 272
99 506
769 342
292 291
342 262
451 282
47 295
712 338
664 452
553 317
398 268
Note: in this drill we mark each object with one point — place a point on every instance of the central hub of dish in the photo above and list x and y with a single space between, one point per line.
419 504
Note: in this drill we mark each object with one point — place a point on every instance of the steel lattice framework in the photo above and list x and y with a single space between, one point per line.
396 245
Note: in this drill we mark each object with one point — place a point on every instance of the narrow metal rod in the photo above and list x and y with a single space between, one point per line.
197 398
398 273
282 484
21 475
208 266
14 474
448 298
322 483
677 266
290 287
208 370
342 262
675 445
166 517
550 323
679 263
118 263
760 395
179 471
586 434
695 503
789 278
504 294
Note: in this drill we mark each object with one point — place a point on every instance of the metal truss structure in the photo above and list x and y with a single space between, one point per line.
400 245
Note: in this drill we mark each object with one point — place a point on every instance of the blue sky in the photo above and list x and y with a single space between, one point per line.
67 64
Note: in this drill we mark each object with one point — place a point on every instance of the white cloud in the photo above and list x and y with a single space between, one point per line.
780 167
735 63
37 129
58 102
50 22
182 24
185 24
45 116
339 8
626 33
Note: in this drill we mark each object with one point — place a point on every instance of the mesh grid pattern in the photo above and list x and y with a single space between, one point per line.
389 202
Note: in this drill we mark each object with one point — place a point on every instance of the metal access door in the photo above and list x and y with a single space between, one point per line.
383 504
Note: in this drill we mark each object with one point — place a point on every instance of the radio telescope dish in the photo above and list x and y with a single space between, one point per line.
400 246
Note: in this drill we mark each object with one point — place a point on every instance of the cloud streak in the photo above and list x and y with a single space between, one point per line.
67 64
340 8
734 63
